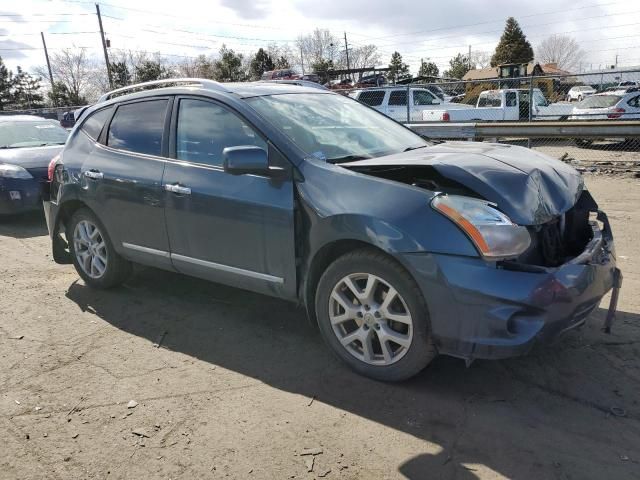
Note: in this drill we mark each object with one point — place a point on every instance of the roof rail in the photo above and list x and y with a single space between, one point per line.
201 82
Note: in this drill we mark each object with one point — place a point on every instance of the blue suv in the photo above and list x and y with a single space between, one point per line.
400 248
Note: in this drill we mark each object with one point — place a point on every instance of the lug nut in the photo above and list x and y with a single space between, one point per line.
377 314
366 307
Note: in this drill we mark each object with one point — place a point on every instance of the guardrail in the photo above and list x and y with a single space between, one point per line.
529 130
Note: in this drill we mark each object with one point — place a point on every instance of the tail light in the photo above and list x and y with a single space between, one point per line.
52 167
618 113
446 117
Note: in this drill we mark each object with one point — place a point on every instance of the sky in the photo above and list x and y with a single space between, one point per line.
434 31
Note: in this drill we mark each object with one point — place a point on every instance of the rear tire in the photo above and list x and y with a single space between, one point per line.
92 252
390 309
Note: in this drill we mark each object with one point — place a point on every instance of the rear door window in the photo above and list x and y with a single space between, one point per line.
399 97
373 99
93 124
139 127
490 99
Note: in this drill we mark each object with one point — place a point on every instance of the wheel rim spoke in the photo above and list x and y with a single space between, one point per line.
90 249
370 319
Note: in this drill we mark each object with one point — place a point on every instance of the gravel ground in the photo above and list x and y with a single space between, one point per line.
241 385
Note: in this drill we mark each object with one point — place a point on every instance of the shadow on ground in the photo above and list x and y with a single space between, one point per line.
26 225
547 415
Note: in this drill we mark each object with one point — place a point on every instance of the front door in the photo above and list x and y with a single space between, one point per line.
232 229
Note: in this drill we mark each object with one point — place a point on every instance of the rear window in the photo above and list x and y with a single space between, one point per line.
599 101
398 98
373 99
92 126
138 127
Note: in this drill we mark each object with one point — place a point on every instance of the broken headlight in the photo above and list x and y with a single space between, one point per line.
492 232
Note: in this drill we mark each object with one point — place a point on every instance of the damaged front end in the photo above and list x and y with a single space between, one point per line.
546 253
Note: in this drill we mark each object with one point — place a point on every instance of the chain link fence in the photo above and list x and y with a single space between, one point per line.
590 120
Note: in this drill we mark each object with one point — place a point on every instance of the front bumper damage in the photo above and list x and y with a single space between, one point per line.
485 310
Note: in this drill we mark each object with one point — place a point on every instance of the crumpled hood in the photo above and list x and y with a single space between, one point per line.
30 157
531 188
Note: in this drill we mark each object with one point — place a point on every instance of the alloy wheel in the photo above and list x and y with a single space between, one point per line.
90 249
370 319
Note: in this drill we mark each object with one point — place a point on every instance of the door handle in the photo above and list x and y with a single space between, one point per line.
94 174
178 189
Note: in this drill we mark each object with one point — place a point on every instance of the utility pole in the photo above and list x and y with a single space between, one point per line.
616 61
104 45
469 58
346 48
46 55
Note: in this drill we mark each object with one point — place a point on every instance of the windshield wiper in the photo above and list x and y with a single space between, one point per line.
348 158
408 149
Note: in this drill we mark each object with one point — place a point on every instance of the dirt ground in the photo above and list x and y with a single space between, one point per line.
241 384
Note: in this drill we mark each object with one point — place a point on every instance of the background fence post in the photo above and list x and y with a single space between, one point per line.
408 105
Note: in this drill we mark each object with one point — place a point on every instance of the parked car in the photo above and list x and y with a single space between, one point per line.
498 105
376 80
628 84
311 77
393 101
27 145
580 92
281 74
400 249
608 106
68 120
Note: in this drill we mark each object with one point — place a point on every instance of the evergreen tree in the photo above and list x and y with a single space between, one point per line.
397 68
282 62
260 63
229 67
6 86
513 46
59 95
150 70
26 91
120 74
458 67
321 68
428 69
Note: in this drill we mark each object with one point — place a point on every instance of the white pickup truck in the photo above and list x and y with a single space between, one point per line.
498 105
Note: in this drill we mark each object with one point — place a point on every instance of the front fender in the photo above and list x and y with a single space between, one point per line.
344 205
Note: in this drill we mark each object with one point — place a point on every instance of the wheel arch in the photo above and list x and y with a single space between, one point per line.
324 257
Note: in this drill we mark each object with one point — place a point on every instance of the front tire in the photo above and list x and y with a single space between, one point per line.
92 252
373 316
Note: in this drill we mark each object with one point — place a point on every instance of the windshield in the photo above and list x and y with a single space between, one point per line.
599 101
335 128
37 133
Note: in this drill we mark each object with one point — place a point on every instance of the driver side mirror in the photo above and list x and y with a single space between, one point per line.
246 159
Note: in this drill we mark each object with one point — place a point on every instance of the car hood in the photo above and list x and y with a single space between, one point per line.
30 157
531 188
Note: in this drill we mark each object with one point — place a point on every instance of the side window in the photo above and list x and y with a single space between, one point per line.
511 99
420 97
399 97
372 98
93 124
138 127
634 102
206 129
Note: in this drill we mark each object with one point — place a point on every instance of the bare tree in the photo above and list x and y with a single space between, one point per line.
73 69
319 46
480 59
364 56
562 50
199 67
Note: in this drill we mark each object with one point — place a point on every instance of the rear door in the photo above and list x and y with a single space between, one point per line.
123 175
233 229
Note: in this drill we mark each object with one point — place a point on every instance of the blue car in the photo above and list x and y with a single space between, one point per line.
27 146
399 248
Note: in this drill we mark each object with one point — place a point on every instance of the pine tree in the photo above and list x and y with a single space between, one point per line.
26 91
428 69
6 86
260 63
513 46
229 67
120 74
458 67
397 68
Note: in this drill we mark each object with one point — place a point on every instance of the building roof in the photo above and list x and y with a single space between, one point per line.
492 72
